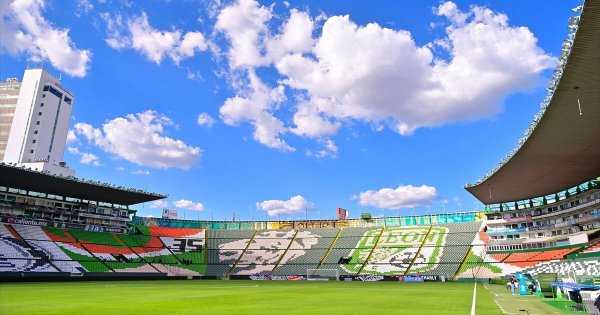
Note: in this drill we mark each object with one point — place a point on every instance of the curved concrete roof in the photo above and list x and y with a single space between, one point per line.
564 148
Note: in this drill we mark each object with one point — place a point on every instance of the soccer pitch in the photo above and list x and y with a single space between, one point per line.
243 297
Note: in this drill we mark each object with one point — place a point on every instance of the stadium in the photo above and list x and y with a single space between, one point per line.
71 246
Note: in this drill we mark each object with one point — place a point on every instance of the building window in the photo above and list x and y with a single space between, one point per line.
33 141
42 105
40 114
30 151
68 100
35 132
37 123
44 95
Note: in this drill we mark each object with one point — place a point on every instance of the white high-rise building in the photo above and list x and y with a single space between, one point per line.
39 124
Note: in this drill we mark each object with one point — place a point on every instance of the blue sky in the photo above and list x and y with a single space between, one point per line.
273 108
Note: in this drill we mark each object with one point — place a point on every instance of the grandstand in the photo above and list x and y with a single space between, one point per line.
543 200
539 217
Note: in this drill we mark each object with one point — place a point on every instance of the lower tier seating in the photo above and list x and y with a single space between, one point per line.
451 250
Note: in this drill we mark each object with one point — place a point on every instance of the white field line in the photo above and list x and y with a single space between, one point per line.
500 306
474 298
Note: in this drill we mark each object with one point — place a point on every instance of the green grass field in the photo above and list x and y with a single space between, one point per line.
244 297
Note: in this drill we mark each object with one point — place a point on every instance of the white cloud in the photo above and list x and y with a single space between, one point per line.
85 157
329 149
296 204
373 74
310 123
141 172
154 44
71 136
24 30
369 73
193 75
244 24
255 106
139 138
83 7
159 204
295 37
89 158
399 197
188 204
451 11
205 119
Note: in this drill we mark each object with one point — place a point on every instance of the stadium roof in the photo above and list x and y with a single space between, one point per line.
26 179
563 148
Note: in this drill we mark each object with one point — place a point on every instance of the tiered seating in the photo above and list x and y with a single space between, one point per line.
529 259
554 254
397 248
522 259
441 251
59 235
264 251
95 238
306 251
169 237
592 249
349 244
4 232
149 249
581 267
17 255
499 257
476 267
58 258
29 232
453 250
174 232
224 249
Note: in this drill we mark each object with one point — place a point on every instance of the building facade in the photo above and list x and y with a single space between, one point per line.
39 122
9 93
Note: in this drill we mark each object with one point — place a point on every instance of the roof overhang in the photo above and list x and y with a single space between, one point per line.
563 150
20 178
